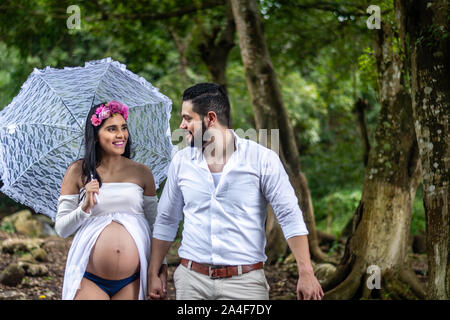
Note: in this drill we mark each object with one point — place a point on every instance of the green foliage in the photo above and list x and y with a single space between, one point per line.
418 221
173 86
13 72
8 226
20 253
323 58
334 165
241 108
367 65
305 108
301 98
335 210
335 247
431 37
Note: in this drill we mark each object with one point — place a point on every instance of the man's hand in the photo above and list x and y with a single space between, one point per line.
163 278
157 285
308 287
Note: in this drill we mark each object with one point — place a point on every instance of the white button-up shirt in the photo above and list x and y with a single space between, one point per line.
225 225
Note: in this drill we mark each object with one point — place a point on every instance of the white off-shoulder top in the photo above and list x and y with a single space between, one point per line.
123 202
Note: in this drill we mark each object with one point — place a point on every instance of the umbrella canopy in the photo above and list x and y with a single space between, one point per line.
42 129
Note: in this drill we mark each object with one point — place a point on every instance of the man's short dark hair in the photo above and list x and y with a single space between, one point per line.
207 97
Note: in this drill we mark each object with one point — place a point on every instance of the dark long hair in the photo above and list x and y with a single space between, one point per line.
92 149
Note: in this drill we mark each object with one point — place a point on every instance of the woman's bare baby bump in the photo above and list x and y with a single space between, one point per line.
114 255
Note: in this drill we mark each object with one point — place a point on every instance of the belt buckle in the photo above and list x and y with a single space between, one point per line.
215 276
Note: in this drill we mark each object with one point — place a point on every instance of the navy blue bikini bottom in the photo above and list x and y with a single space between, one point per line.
111 287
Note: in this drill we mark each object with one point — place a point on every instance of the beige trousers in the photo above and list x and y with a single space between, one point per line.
192 285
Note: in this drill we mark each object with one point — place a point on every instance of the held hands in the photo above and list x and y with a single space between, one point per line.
91 188
157 285
308 287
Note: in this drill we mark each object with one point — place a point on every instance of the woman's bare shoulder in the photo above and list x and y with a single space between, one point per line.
142 175
71 183
147 178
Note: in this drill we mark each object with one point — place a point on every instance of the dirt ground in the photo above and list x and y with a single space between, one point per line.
281 279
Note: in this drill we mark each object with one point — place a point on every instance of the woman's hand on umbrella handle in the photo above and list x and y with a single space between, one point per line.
92 188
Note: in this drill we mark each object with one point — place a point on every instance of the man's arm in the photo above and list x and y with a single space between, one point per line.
307 286
156 289
170 212
279 193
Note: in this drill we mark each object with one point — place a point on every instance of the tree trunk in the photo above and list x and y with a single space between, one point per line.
268 106
215 47
381 225
359 110
425 31
181 44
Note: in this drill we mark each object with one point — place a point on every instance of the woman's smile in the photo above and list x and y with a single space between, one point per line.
119 144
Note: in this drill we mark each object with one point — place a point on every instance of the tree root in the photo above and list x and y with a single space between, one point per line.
348 288
326 238
340 274
316 253
401 285
408 277
342 270
366 292
396 288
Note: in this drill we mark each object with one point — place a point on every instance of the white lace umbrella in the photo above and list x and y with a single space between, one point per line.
42 129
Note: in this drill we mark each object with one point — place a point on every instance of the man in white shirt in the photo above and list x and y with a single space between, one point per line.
222 184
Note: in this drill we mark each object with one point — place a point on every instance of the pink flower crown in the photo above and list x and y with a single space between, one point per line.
107 110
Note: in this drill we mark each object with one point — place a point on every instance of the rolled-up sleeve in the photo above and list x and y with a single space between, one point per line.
170 207
279 193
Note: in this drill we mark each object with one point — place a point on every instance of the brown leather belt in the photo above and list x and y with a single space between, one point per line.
218 272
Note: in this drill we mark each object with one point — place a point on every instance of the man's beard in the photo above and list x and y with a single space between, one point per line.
195 139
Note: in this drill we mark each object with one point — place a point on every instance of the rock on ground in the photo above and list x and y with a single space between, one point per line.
12 275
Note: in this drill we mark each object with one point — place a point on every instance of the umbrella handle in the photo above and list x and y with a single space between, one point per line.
95 195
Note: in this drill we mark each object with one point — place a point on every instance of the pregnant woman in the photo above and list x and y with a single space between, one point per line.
110 202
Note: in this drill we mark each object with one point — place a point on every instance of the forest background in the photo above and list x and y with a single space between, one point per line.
323 53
